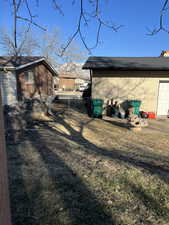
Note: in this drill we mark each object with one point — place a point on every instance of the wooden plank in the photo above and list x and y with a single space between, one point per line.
5 215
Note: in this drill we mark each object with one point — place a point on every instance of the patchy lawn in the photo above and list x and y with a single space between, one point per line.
83 171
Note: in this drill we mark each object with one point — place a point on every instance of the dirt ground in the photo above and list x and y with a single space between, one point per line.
76 170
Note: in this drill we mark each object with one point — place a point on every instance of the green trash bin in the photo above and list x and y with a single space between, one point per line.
136 104
97 108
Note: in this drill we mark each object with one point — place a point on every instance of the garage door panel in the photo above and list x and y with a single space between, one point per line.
163 98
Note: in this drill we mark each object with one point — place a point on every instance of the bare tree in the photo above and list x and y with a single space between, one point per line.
72 68
13 40
72 53
71 60
26 42
50 46
86 15
89 10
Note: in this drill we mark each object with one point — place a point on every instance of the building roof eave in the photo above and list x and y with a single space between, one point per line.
43 60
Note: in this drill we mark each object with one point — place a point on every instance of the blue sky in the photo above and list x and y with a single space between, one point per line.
130 40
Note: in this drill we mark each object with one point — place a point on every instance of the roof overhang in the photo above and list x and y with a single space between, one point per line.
127 63
42 60
126 69
7 68
29 64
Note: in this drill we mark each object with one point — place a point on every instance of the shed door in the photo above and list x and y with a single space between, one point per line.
163 98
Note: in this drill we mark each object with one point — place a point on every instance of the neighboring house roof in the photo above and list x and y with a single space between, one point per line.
11 61
20 62
127 63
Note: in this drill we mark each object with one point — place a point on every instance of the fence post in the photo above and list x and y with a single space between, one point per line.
5 215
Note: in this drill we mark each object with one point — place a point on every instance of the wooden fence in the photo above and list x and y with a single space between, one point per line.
5 215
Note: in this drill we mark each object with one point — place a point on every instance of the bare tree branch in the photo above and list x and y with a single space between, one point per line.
31 17
78 31
57 7
30 21
161 20
85 18
97 37
27 43
16 8
18 5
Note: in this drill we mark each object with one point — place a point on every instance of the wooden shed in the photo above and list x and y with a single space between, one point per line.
25 77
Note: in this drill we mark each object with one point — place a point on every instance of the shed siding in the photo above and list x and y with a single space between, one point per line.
43 83
127 85
8 87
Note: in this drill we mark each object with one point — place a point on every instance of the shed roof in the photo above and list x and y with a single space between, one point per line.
127 63
20 62
12 61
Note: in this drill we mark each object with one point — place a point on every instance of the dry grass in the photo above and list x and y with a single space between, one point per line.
83 171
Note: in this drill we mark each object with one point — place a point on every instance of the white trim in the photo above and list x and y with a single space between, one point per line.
37 61
22 66
50 65
7 68
157 100
158 106
29 64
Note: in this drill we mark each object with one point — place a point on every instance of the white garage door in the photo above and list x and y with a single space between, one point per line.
163 99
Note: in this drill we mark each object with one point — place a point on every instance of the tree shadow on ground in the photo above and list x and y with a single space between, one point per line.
144 196
28 206
82 205
121 123
120 156
114 154
157 206
84 208
75 104
22 208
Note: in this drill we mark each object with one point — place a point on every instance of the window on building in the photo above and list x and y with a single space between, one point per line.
29 76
